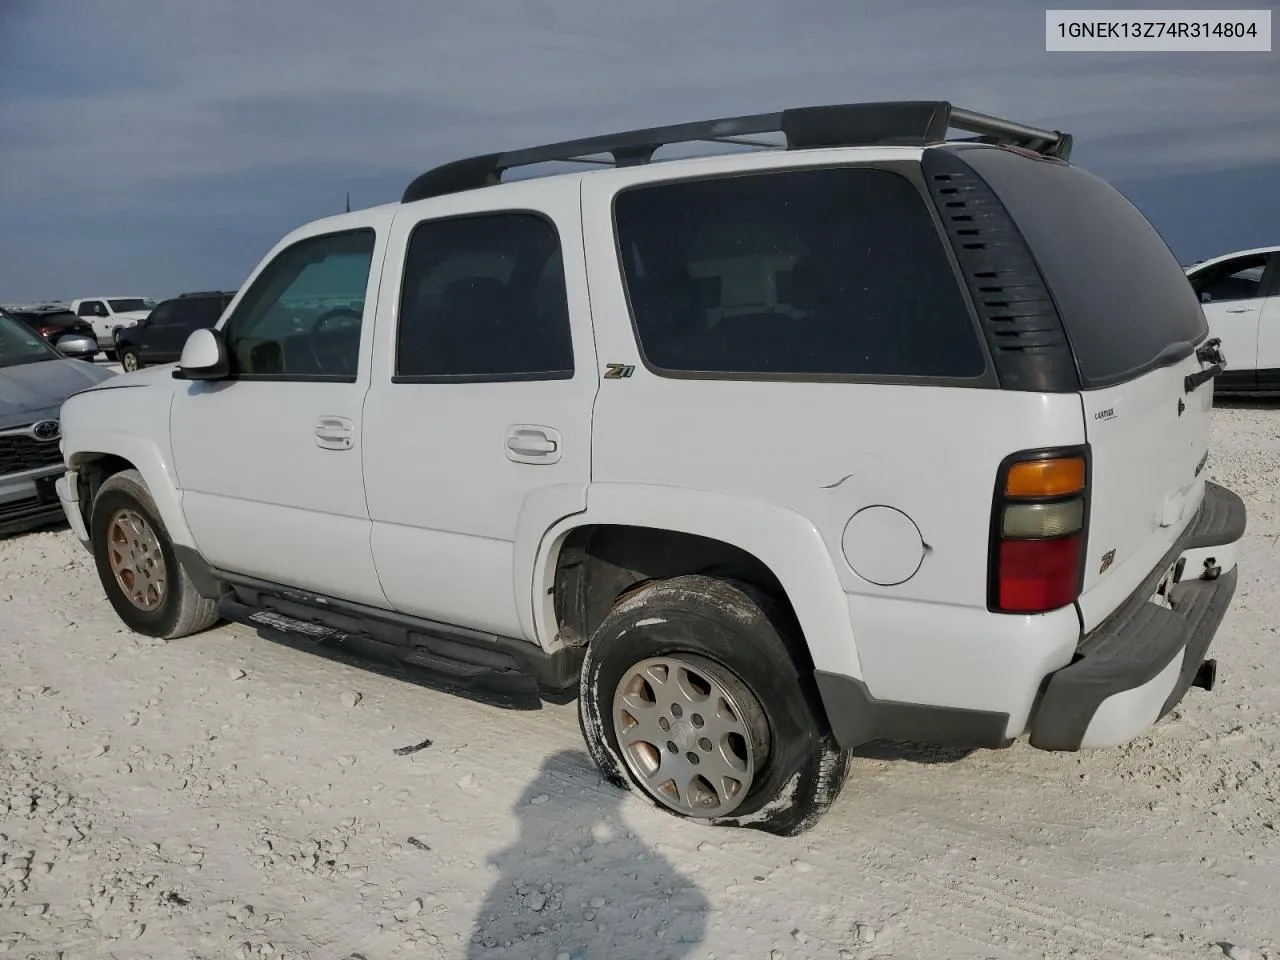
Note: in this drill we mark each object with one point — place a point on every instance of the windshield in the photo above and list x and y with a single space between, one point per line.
131 303
20 344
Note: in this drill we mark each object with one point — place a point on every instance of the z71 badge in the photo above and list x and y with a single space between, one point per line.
1108 558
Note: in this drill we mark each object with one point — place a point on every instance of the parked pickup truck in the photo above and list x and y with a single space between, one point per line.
110 314
761 456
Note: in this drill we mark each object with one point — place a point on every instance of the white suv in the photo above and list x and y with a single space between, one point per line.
763 455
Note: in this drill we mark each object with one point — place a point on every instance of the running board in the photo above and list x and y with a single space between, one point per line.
476 669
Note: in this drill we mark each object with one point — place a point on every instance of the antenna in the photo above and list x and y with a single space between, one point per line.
348 201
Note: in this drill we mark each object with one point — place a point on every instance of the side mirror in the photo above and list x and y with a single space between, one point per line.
204 357
75 347
1206 296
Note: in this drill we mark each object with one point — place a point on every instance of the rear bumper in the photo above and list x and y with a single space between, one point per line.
1137 665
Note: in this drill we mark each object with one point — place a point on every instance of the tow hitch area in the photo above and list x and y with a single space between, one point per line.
1206 676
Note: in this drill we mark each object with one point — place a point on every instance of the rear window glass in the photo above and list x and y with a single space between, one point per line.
1123 297
835 272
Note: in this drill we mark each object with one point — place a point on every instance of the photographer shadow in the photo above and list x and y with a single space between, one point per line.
575 883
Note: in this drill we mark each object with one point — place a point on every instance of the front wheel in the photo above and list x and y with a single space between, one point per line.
139 571
691 697
129 361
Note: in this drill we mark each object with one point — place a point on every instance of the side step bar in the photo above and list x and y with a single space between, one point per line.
444 663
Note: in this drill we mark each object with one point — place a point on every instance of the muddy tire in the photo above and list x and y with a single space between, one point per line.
690 697
139 571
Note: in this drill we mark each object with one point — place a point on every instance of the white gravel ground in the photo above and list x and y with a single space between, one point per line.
224 796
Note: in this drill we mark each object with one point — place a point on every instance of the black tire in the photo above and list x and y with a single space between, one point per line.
129 356
181 610
746 636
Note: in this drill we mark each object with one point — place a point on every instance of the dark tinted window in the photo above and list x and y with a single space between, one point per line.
197 312
484 298
162 315
837 272
1236 279
1122 295
302 317
92 308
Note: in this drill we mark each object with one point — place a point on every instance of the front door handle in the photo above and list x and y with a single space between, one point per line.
530 443
335 433
1240 310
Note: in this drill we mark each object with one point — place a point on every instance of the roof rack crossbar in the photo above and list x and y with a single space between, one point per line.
902 123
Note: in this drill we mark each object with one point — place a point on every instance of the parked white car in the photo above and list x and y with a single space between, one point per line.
763 456
1240 293
109 314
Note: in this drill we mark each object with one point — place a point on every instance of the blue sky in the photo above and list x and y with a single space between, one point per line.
155 146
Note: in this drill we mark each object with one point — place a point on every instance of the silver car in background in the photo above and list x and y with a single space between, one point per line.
34 381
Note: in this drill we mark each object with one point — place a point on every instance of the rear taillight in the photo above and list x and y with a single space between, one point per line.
46 331
1039 519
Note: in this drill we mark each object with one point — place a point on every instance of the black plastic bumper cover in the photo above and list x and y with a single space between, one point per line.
1139 640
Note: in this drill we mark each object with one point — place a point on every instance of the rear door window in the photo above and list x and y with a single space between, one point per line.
1123 297
484 299
830 273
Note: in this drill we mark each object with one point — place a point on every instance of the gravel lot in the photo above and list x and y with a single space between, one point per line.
224 796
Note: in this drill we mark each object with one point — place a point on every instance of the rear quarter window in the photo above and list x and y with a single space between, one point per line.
1123 297
836 273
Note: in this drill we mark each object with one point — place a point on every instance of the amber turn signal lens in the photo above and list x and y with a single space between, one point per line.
1056 477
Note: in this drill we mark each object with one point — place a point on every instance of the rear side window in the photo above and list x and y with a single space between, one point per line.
484 299
1123 297
830 273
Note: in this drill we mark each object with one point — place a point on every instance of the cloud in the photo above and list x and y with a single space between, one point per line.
111 109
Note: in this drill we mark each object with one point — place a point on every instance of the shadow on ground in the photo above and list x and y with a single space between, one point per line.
575 883
922 753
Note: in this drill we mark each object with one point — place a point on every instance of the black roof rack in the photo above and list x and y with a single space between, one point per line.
203 293
913 123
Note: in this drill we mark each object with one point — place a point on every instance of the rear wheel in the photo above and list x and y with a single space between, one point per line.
691 697
136 564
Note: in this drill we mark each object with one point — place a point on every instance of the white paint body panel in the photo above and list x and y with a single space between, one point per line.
1235 323
128 416
1144 486
444 497
1268 334
260 495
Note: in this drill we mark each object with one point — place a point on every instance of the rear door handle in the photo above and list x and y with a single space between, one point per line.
335 433
530 443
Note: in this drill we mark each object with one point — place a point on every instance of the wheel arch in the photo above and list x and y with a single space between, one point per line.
93 466
632 534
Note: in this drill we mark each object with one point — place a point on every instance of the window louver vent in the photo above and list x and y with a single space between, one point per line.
1017 313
